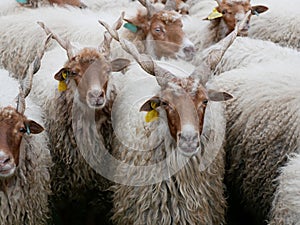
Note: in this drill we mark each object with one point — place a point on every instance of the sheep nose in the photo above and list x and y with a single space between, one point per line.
95 94
189 52
188 143
189 49
4 160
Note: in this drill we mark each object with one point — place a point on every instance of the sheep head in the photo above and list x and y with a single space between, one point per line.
162 32
14 124
89 68
233 11
183 101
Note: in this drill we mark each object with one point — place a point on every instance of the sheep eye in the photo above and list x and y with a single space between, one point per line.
205 102
224 11
157 29
22 130
72 73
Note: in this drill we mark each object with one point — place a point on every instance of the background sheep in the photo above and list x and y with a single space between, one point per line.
220 22
279 25
262 131
16 6
21 34
24 192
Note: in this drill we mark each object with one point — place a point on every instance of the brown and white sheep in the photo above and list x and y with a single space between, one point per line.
222 21
25 159
171 167
85 75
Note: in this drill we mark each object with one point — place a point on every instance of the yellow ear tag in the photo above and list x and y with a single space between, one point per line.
214 15
62 86
153 114
64 75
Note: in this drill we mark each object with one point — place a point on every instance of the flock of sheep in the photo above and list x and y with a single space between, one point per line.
149 112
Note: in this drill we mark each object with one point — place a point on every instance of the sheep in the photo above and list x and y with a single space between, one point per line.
83 97
25 159
246 51
12 7
262 132
171 161
20 33
161 31
220 22
17 50
280 25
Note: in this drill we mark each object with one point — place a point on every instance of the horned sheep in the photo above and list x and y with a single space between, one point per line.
82 97
19 40
220 22
25 159
157 156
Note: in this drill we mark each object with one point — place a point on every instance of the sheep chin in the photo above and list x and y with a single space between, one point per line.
188 152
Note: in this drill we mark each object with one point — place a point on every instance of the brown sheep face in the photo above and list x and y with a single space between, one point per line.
235 10
164 36
90 71
13 126
184 102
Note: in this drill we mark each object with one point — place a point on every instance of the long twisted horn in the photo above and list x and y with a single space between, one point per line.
145 61
215 53
219 2
66 44
150 8
170 5
105 45
26 83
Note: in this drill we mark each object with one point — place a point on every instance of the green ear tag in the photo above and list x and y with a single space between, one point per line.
133 28
22 1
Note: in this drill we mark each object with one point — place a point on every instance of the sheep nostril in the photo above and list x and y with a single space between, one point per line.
5 160
189 50
95 94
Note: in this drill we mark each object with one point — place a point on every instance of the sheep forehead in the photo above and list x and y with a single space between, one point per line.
87 55
10 113
168 16
236 1
188 86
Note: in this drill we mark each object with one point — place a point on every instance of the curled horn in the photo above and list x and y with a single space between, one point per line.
219 2
170 5
26 83
63 43
145 61
150 8
105 45
215 53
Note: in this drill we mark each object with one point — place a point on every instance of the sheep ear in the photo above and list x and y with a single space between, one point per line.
61 75
139 22
33 127
258 9
150 104
218 96
119 64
